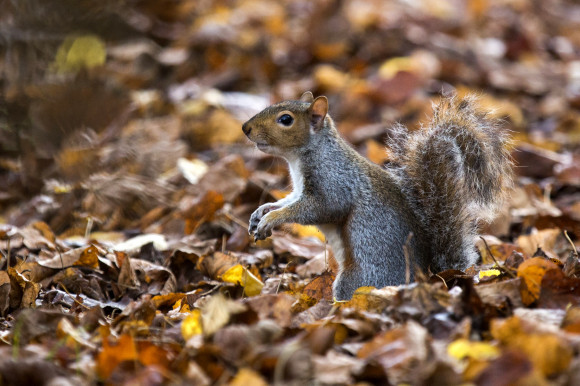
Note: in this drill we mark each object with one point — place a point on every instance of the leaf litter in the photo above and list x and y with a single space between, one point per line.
126 187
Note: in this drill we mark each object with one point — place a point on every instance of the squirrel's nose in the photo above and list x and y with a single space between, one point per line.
246 128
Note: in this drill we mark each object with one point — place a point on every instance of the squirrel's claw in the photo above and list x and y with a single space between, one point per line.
255 221
262 233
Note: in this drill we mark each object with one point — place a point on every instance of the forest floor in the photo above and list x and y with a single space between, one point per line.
126 185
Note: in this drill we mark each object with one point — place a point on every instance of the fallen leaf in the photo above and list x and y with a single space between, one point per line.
240 275
532 272
78 52
191 325
320 287
246 376
555 354
463 348
217 312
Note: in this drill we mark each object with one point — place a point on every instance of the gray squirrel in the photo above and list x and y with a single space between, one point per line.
445 179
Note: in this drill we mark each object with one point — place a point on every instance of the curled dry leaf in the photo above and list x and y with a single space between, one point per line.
532 271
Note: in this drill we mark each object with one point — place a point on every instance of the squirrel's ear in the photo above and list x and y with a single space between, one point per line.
307 97
318 111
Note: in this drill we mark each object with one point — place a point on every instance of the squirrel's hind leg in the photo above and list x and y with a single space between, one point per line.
346 283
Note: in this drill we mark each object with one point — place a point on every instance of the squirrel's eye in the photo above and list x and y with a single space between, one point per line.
286 120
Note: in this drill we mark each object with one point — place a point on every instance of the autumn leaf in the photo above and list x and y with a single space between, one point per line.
77 52
532 272
240 275
191 325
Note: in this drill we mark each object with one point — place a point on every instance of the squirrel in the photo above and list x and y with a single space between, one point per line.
443 181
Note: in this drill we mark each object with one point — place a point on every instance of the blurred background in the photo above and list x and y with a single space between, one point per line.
126 186
110 109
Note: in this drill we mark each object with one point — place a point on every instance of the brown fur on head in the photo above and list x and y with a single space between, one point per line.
287 126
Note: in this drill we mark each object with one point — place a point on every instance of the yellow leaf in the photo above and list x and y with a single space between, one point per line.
247 376
77 52
304 231
391 67
463 348
191 325
488 273
240 275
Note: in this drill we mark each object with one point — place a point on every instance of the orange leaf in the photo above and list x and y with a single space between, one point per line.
320 287
89 258
532 271
112 355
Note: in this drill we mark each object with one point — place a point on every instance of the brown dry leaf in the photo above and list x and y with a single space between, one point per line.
127 276
558 290
511 368
305 248
23 292
277 307
33 239
336 368
227 177
315 266
320 287
4 292
159 280
210 126
72 336
217 312
555 354
167 300
545 239
45 230
535 162
29 295
216 264
500 251
202 209
497 293
400 352
60 260
532 271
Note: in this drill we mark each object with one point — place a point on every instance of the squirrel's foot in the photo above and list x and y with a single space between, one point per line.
257 217
263 230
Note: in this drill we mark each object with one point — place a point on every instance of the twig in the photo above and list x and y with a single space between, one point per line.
74 297
236 220
572 244
407 258
89 227
495 261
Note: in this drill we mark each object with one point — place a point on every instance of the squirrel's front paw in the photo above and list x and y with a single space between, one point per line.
257 217
264 229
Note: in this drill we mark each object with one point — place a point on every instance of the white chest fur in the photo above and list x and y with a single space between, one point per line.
297 178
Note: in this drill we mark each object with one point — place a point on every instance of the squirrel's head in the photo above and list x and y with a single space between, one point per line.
287 126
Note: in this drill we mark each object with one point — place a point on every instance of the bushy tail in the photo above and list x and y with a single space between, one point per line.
456 172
